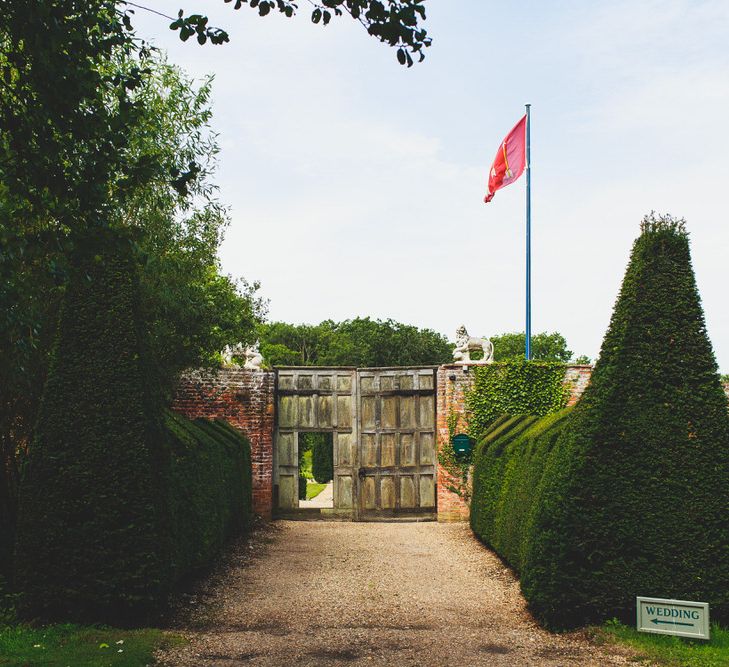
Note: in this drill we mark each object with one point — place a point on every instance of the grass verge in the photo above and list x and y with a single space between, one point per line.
313 489
80 646
669 650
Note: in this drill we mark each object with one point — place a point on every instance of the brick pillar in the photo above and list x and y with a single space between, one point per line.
453 381
577 378
245 399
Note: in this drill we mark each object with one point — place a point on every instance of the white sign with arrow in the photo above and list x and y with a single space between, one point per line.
673 617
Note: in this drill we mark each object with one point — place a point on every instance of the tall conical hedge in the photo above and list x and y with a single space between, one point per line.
634 499
92 543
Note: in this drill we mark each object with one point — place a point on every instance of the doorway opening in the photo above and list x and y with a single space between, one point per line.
316 470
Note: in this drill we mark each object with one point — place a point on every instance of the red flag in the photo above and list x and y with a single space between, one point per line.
509 161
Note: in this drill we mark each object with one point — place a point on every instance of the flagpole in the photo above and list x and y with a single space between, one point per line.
528 350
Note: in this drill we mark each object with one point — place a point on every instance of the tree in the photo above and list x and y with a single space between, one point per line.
635 493
65 147
545 347
359 342
67 159
189 310
583 360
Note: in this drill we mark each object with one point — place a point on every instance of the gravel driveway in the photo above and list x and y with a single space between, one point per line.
326 593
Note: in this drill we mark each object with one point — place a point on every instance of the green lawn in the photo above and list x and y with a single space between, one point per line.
313 489
80 646
667 650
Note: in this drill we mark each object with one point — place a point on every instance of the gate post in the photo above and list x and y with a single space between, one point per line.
453 382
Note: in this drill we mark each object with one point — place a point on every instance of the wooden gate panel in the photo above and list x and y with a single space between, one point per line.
316 400
397 436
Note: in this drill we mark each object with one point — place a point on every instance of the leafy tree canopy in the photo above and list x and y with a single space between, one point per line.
545 347
393 22
65 146
362 342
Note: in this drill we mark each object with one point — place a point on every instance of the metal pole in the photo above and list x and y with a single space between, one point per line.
528 351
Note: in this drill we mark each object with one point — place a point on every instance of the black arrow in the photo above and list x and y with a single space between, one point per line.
656 622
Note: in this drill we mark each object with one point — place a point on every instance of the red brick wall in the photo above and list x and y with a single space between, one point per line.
245 399
453 382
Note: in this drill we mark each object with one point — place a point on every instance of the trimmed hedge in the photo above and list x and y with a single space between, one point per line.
209 490
627 494
118 498
638 485
91 541
322 457
508 469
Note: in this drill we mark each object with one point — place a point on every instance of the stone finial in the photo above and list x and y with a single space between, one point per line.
465 344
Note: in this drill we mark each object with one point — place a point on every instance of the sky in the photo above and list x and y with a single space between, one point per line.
356 186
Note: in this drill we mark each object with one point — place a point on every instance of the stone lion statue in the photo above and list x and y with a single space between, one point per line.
465 344
253 358
230 351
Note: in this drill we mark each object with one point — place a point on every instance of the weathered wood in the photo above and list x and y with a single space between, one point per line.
311 400
396 426
382 422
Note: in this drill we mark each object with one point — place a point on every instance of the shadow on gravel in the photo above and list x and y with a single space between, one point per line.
191 605
373 626
272 629
494 649
240 657
344 655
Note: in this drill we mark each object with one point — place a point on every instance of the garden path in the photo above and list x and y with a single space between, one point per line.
330 593
323 499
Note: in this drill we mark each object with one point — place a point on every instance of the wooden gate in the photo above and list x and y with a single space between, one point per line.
383 425
397 452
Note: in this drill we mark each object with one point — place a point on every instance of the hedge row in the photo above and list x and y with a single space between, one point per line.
627 493
509 464
91 522
117 499
209 492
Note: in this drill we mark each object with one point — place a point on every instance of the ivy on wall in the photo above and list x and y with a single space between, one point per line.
458 469
517 387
